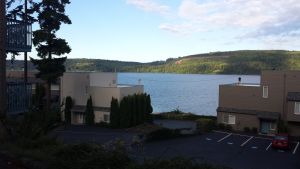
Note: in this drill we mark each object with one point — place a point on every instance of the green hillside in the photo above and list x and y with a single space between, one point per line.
234 62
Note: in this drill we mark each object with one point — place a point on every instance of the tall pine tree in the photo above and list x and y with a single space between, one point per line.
114 113
89 112
51 15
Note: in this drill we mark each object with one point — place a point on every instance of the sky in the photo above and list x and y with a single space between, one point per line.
151 30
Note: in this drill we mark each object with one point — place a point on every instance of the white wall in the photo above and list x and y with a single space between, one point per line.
76 86
104 79
81 85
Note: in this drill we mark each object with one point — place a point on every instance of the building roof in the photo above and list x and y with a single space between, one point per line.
293 96
258 113
81 109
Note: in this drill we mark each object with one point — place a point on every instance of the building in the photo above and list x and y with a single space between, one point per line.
16 36
102 87
262 105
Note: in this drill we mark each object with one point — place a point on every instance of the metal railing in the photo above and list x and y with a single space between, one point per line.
19 36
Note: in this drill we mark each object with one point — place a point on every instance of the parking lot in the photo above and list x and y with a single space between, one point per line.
237 151
229 149
259 143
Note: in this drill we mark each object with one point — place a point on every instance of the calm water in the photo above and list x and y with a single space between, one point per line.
196 93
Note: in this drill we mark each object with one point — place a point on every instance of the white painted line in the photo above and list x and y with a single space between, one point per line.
268 146
280 151
254 147
246 141
294 152
264 138
208 139
223 132
225 137
242 135
230 143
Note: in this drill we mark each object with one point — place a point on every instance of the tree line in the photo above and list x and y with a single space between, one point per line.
131 111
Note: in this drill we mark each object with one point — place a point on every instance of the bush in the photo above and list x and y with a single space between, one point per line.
89 112
90 156
39 143
102 124
282 127
221 126
228 127
254 130
162 134
247 129
175 163
206 125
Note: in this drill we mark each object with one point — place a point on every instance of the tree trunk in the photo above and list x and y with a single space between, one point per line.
2 66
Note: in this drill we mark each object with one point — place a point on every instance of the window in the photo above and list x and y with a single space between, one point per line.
229 119
265 92
106 117
297 108
272 126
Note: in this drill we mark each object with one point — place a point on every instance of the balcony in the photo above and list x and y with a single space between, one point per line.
18 98
19 36
243 84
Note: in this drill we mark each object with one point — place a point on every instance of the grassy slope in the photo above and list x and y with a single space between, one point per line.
237 62
234 62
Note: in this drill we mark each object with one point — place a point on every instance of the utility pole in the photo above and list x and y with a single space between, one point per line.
25 53
2 58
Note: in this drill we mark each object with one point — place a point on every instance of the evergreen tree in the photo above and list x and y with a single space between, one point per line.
139 109
68 107
114 113
51 15
122 113
149 108
89 112
143 108
134 109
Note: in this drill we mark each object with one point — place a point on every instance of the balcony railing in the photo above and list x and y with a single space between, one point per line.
243 84
18 97
19 36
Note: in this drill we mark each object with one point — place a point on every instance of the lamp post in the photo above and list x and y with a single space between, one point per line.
2 58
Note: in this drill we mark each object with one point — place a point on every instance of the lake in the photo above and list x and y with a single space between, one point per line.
195 93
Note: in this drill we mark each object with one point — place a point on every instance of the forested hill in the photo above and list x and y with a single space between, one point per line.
234 62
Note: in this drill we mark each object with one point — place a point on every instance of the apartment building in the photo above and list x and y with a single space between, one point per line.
102 87
262 105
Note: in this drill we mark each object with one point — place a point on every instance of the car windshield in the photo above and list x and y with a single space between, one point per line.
280 138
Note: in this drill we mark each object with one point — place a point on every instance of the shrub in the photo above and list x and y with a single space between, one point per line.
206 125
68 107
176 163
90 156
221 126
247 129
89 112
228 127
162 134
282 126
254 130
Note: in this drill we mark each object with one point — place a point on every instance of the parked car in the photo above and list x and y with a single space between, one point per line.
281 141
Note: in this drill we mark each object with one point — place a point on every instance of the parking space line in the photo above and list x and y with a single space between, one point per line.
242 135
264 138
268 146
223 132
225 137
246 141
294 152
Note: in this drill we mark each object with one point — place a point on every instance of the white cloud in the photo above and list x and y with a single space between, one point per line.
150 6
260 17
